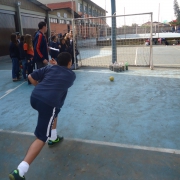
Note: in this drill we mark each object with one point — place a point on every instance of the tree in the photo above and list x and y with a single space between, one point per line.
134 25
177 11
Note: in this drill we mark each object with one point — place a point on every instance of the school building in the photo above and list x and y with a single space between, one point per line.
83 9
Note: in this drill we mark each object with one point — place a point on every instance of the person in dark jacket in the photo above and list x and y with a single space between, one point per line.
40 46
18 37
23 57
71 51
56 45
29 50
63 46
51 87
14 54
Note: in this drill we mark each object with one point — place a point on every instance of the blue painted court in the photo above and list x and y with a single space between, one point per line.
127 129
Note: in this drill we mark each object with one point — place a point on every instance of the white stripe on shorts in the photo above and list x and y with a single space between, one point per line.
50 122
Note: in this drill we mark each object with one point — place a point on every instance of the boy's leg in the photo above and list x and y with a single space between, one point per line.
54 139
23 167
34 150
42 132
55 123
54 131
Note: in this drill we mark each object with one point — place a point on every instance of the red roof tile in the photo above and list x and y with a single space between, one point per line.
61 5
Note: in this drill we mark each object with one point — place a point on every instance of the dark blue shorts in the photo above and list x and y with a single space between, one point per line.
46 116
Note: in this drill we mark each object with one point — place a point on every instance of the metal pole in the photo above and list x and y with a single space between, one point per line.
73 28
158 19
19 18
151 48
105 22
124 24
113 31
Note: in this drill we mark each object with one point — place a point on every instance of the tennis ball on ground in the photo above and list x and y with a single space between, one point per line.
111 78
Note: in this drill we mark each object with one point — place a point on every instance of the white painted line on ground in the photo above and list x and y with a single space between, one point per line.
176 48
168 65
11 90
136 57
5 70
145 148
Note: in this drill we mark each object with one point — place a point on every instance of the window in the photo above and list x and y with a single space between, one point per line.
90 12
65 15
85 9
94 13
53 20
79 7
58 14
61 21
67 22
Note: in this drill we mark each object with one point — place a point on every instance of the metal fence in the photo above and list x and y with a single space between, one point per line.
94 39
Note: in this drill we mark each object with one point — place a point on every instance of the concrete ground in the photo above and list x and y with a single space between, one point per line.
127 129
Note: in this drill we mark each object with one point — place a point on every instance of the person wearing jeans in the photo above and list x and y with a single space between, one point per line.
51 87
23 57
15 69
24 64
14 54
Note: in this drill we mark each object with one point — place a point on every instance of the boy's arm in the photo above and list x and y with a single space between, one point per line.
53 62
34 82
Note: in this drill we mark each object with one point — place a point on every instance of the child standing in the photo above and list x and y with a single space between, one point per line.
54 44
51 87
63 45
28 48
23 57
14 54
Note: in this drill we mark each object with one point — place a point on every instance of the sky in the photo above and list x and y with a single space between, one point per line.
166 12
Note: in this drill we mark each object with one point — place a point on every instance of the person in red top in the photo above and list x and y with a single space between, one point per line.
28 48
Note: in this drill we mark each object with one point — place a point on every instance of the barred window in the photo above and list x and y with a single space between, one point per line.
61 21
81 8
53 20
85 9
90 12
58 14
65 15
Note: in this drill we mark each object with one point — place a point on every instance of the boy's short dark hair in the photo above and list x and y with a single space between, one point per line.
41 24
63 59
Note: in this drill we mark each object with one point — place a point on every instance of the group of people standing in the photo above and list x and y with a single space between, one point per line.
63 44
21 51
28 51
